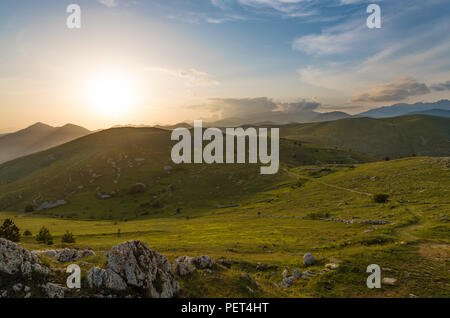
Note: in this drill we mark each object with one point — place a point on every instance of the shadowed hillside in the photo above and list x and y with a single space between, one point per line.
36 138
128 171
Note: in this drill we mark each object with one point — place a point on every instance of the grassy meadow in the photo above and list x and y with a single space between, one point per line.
271 220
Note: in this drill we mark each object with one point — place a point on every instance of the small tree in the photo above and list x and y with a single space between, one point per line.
381 197
68 238
10 231
27 233
44 236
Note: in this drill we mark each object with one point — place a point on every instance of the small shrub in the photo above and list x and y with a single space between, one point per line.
29 208
44 236
27 233
10 231
68 238
381 197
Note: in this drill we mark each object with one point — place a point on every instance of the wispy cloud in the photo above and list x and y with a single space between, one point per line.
108 3
191 76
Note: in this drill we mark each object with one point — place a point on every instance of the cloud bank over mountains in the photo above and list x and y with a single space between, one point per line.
400 89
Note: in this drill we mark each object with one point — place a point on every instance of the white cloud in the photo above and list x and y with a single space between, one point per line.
108 3
191 76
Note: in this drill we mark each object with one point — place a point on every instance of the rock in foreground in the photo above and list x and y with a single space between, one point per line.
135 264
16 260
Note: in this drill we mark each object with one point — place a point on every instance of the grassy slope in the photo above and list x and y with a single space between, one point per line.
414 249
110 163
392 137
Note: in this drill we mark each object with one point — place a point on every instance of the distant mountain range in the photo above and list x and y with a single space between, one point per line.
405 109
434 112
440 109
36 138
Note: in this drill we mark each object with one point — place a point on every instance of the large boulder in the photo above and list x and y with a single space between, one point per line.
98 278
138 266
16 260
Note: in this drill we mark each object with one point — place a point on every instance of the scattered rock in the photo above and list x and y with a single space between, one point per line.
332 266
66 255
247 276
17 287
203 262
184 265
53 290
285 273
51 205
27 289
308 260
296 273
14 259
308 274
287 281
389 281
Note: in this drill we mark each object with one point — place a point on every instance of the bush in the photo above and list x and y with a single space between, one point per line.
381 197
10 231
44 236
27 233
29 208
68 238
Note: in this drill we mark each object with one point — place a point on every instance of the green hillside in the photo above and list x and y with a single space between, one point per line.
404 136
126 173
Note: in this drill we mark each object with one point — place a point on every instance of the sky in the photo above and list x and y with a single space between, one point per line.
166 61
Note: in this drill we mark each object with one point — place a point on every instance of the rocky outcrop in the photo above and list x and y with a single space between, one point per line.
53 290
99 278
51 205
203 262
184 265
136 265
66 255
16 260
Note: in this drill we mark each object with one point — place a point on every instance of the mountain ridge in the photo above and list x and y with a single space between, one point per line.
37 137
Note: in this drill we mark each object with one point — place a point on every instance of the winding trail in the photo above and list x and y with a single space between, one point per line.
291 174
404 233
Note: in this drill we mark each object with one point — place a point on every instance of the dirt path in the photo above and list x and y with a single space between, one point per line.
326 184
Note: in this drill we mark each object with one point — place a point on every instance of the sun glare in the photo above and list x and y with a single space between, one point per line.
110 95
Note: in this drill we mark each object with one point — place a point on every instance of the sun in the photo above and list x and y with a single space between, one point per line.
110 95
